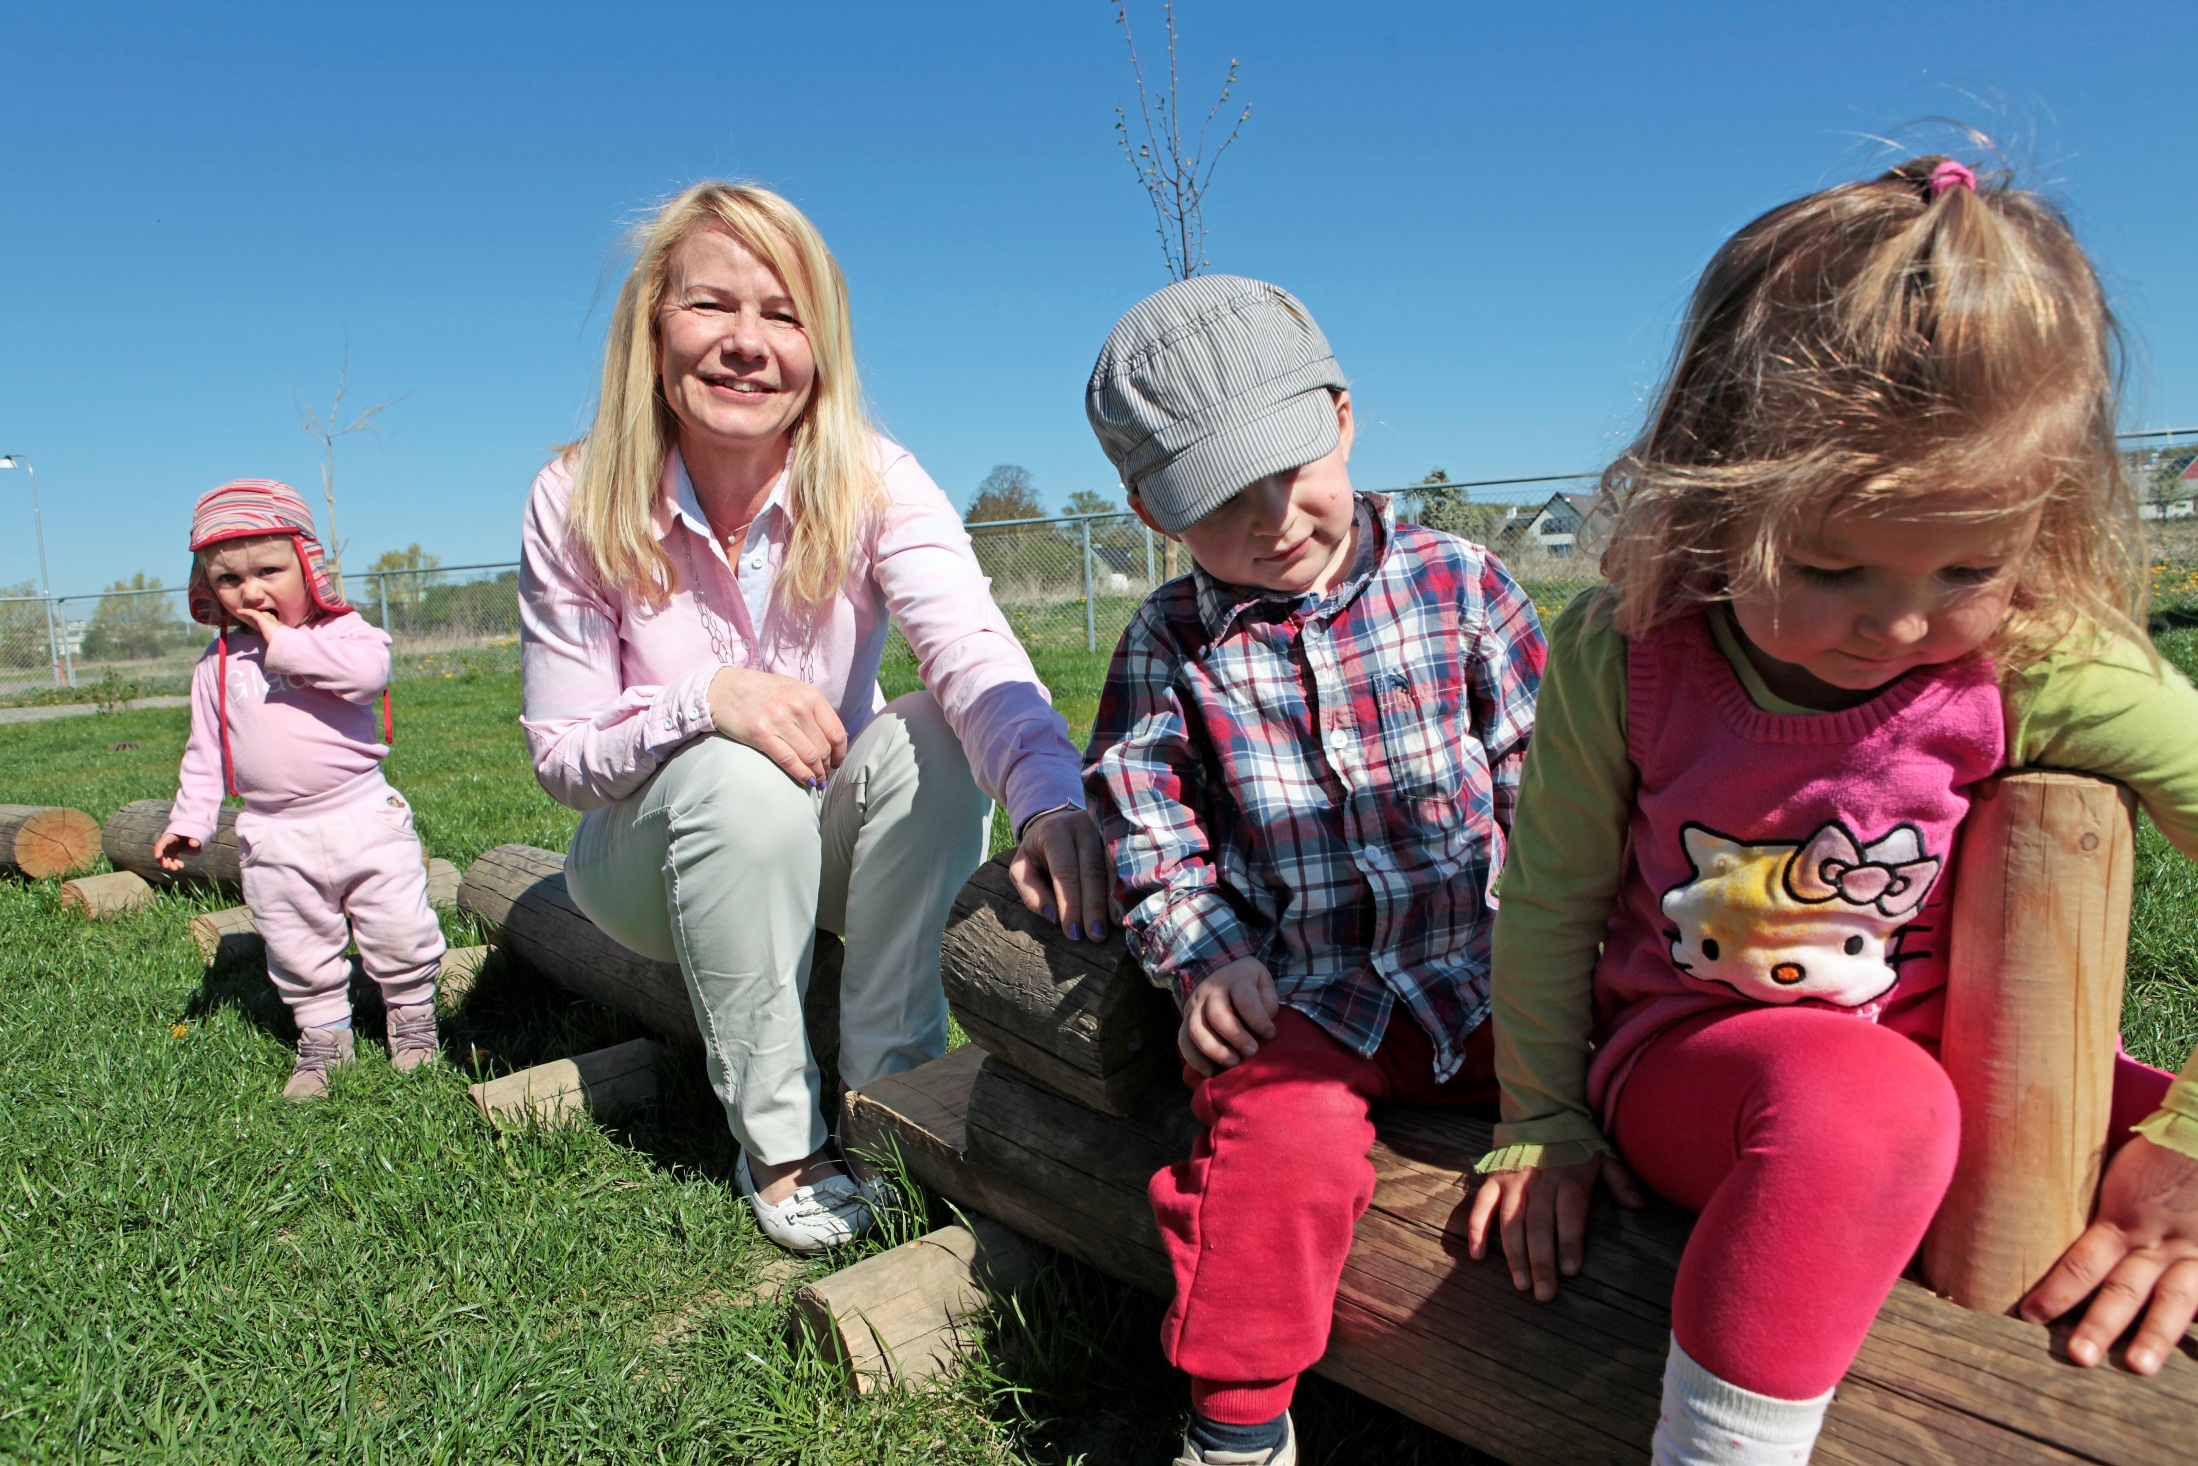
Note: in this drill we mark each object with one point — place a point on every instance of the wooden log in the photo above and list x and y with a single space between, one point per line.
100 897
40 841
443 880
518 891
1447 1341
460 971
227 936
2033 1021
605 1085
128 845
907 1315
1080 1016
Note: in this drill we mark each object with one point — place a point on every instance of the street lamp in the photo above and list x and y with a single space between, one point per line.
45 581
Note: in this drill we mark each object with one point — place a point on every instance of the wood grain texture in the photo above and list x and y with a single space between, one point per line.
1079 1016
604 1085
908 1315
2033 1021
131 830
443 880
518 891
1448 1341
227 936
99 897
41 841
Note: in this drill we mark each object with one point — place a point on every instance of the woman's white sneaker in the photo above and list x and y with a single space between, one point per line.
829 1214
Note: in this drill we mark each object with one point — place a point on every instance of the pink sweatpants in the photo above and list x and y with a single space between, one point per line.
1816 1147
1257 1222
346 867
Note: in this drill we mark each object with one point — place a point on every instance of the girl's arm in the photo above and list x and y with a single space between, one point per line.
593 739
1559 883
343 655
1148 791
1017 745
199 782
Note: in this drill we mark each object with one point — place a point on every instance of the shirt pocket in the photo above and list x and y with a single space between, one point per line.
1430 756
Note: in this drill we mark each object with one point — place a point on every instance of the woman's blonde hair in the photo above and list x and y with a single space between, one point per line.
832 483
1874 344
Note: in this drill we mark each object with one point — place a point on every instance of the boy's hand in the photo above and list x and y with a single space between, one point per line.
1060 870
1543 1215
266 623
1228 1013
165 848
2143 1248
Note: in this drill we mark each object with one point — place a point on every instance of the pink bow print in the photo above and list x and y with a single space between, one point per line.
1893 875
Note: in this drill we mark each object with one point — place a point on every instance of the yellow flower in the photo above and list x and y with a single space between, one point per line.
179 1030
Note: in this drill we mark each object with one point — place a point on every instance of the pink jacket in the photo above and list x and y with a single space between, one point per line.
613 686
302 719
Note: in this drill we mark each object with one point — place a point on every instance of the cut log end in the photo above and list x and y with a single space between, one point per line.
907 1315
100 897
40 842
605 1085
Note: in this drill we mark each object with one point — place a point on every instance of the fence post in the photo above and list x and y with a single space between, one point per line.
1091 630
68 655
1151 582
381 594
53 644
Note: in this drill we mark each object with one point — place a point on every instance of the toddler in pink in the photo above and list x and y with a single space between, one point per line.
284 714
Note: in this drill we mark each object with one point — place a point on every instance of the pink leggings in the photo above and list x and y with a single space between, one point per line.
1816 1147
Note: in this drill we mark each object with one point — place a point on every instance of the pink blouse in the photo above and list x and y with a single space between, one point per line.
613 686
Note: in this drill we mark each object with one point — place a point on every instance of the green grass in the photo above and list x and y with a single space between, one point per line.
191 1270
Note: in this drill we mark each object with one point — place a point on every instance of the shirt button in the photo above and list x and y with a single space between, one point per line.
1372 856
1337 738
755 562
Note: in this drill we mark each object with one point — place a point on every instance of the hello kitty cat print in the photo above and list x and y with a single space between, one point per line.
1783 923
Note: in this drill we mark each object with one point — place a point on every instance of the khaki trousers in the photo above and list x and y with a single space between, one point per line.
723 864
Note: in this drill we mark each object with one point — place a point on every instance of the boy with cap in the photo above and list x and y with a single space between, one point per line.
1304 763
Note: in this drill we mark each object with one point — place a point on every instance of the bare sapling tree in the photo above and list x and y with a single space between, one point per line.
1175 172
325 431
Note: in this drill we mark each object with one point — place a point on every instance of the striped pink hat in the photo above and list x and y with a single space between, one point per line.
249 508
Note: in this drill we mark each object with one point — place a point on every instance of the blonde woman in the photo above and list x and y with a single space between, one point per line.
709 579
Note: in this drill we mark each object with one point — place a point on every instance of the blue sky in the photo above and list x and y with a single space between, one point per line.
1495 211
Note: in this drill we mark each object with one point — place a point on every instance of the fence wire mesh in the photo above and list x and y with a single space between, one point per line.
1066 584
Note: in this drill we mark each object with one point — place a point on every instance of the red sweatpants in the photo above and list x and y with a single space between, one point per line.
1816 1147
1258 1221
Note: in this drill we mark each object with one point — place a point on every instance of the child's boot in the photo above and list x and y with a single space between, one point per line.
1211 1444
412 1038
319 1051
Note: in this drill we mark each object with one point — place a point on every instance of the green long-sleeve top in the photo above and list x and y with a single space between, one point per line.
2114 712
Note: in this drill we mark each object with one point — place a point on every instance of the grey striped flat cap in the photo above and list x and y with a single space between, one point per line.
1208 386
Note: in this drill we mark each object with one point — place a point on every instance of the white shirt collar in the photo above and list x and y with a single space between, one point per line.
688 507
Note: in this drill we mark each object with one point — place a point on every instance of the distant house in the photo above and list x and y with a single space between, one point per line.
2166 508
1565 525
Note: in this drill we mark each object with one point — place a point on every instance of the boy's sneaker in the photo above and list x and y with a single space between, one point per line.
1282 1455
412 1039
319 1050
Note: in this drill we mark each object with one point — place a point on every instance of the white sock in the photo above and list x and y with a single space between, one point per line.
1708 1422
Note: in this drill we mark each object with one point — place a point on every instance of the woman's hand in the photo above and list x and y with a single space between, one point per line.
1543 1216
2143 1247
783 718
1229 1012
165 848
1060 870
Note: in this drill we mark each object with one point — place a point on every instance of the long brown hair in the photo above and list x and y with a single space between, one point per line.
832 482
1875 343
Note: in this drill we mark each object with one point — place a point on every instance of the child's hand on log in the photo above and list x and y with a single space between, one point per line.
1060 870
1543 1216
166 847
2142 1249
783 718
1229 1012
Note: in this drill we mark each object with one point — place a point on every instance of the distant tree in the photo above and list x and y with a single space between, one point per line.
402 573
1091 501
1008 492
23 630
129 627
1445 506
325 431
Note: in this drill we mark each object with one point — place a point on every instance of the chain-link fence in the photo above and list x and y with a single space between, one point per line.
1068 583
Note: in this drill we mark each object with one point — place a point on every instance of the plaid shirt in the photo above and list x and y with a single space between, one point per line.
1324 783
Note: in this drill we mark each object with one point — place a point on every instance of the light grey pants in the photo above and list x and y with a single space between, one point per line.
723 864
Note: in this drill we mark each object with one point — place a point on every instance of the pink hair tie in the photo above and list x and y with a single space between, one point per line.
1949 174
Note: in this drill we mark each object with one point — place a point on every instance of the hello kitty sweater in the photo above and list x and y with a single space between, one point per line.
1686 840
